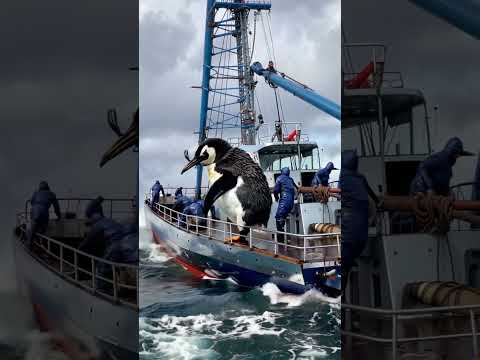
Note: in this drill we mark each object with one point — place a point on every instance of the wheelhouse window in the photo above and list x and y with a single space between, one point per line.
275 157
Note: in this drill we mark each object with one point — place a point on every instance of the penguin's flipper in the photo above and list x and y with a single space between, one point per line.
219 187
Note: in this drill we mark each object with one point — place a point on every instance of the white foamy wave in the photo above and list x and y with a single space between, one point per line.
193 337
277 297
156 255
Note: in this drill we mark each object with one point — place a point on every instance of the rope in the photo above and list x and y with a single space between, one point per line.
433 213
321 194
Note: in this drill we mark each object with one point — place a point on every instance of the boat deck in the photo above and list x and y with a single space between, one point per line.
57 250
298 248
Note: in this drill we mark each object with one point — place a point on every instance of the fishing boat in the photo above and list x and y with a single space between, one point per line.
96 312
296 259
414 292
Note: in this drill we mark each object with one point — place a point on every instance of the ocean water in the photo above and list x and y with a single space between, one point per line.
184 318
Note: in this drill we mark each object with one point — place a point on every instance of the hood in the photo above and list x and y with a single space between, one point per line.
350 160
94 207
157 182
43 186
330 166
454 149
286 171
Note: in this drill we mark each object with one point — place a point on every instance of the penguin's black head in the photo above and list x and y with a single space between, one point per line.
208 152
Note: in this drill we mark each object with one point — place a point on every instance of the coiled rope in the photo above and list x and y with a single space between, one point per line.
433 213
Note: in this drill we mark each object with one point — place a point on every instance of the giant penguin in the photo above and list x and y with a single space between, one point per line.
238 186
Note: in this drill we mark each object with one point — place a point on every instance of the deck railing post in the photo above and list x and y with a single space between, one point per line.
114 281
474 333
75 261
394 337
338 246
275 238
209 225
186 220
94 283
304 249
61 259
251 238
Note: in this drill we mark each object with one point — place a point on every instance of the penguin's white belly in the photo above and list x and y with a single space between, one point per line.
230 206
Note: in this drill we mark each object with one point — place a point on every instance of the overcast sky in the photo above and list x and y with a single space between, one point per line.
306 38
63 65
434 57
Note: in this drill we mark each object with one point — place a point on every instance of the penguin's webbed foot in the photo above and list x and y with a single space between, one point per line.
231 239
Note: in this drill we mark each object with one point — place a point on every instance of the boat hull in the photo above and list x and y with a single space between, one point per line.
68 306
208 258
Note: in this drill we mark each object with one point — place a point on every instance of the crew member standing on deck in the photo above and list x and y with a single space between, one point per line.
322 177
156 188
41 201
355 193
435 172
284 193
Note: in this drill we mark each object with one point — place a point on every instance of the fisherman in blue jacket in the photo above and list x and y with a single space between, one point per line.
435 172
179 192
355 194
123 250
156 188
103 231
284 193
322 176
41 201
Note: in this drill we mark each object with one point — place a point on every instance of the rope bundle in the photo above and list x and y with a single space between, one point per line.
433 213
321 194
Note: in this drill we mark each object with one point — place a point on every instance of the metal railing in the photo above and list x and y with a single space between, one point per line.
391 79
397 316
115 281
113 208
299 248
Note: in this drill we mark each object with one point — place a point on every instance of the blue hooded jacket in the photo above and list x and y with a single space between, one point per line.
103 231
156 188
435 172
284 192
41 201
179 192
322 176
355 193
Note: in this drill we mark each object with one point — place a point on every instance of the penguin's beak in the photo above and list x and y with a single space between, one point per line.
194 162
127 140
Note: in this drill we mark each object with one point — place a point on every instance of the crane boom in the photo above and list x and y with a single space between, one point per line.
296 89
463 14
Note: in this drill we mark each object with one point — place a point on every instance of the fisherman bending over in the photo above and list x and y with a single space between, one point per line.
284 193
355 194
41 201
329 283
196 208
156 188
435 172
179 192
103 231
124 251
322 177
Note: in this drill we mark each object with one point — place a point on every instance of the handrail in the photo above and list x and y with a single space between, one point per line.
181 221
79 201
46 244
409 314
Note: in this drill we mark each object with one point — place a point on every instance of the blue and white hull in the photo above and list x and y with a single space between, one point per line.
251 267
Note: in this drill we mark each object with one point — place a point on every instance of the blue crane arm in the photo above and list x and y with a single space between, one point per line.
296 89
463 14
